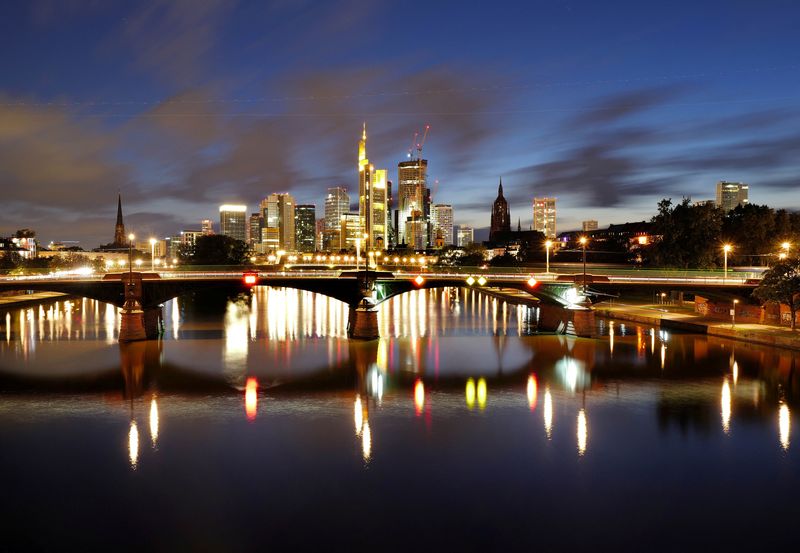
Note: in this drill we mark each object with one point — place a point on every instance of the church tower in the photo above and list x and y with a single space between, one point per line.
501 217
119 230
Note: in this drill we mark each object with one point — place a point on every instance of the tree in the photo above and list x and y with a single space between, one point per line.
217 249
781 284
691 235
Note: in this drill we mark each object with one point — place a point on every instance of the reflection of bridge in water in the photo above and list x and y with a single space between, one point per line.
560 302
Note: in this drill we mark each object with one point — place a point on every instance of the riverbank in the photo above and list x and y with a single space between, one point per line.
685 319
17 300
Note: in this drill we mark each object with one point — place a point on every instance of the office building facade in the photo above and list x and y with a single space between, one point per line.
232 221
544 216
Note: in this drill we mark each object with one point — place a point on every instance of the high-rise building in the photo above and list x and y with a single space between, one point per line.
277 211
501 216
544 216
305 226
120 238
337 203
731 194
412 178
319 234
442 224
207 227
352 230
372 198
417 233
254 234
464 236
589 225
232 221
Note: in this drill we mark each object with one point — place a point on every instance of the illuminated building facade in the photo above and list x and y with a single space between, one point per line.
373 198
501 216
544 216
337 203
232 221
589 225
305 226
278 232
442 224
465 235
351 229
254 228
207 226
412 178
732 194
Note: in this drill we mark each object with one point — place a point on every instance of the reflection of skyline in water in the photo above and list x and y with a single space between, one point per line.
443 352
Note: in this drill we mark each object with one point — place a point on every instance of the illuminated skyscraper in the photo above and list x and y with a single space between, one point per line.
732 194
442 224
544 216
232 221
277 212
412 178
352 230
337 203
501 217
305 222
464 236
254 235
372 198
207 227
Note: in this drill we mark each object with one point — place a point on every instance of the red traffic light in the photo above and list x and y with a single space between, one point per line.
250 278
532 282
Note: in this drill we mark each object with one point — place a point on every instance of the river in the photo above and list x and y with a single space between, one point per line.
256 424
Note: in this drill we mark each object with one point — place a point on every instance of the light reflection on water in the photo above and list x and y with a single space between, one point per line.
455 373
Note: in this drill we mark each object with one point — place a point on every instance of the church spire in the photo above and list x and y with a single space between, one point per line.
500 188
119 229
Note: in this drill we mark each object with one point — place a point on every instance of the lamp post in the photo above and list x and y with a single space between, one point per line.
785 246
725 249
152 254
130 255
583 240
547 245
733 313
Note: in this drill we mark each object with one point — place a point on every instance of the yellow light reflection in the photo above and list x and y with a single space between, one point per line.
533 388
153 421
784 425
482 393
548 412
726 406
419 397
366 442
735 373
133 444
470 393
583 432
663 354
611 337
251 398
358 415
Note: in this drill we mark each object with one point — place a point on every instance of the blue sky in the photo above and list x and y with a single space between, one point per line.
184 105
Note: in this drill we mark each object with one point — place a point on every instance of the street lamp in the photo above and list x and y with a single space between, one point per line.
131 236
583 240
725 249
733 313
547 245
785 246
152 254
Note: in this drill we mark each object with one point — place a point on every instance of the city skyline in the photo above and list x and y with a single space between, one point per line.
584 107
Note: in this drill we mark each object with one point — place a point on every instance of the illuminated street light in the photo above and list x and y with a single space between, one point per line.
152 254
547 245
583 240
725 249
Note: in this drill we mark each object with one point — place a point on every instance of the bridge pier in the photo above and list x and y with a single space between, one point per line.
554 318
362 323
137 322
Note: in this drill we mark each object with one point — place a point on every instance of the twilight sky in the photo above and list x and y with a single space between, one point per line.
183 105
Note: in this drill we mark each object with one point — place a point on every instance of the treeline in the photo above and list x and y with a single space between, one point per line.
693 236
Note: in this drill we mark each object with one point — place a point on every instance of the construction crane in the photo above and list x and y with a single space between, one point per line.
413 144
421 144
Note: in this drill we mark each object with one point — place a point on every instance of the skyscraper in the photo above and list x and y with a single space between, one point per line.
232 221
412 178
544 216
305 221
120 239
442 223
277 211
501 217
464 236
207 227
372 198
731 194
337 203
254 236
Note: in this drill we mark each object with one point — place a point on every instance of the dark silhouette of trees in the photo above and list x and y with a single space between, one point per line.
690 235
215 249
781 284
